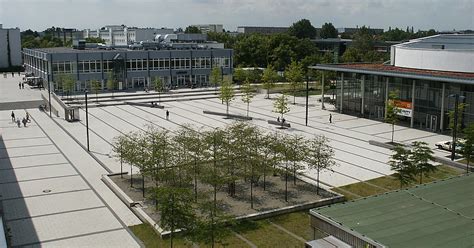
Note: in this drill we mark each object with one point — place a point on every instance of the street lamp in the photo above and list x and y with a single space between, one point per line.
49 92
455 122
87 121
307 96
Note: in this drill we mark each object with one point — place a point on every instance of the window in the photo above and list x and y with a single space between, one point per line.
136 65
87 66
180 63
62 67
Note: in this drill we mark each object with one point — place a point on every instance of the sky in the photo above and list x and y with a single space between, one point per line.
441 15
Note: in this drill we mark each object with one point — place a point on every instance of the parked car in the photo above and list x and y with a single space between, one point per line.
447 145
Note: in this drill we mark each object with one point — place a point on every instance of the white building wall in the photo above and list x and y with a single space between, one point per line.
434 59
15 47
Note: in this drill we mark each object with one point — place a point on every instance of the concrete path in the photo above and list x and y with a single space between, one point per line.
51 191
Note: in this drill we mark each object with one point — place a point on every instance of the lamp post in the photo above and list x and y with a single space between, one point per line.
49 92
455 123
87 121
307 96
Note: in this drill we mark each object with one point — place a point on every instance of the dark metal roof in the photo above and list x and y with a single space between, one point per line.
395 71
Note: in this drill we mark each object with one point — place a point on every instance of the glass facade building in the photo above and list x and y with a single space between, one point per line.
430 98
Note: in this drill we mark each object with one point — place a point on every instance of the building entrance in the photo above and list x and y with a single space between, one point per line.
431 122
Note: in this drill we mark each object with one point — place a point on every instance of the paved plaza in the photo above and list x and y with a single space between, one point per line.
50 187
11 97
357 159
51 192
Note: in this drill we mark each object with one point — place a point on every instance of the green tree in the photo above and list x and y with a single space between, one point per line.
95 40
468 146
213 226
192 30
227 94
328 31
302 29
401 163
111 82
319 156
95 87
461 107
239 75
421 156
294 74
269 78
159 87
247 94
216 77
391 116
280 106
176 210
66 81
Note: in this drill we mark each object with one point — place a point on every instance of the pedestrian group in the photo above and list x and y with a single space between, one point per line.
24 120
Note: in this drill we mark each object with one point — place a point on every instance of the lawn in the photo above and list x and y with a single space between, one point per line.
389 183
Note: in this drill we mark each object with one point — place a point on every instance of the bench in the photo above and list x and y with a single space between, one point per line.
276 123
145 104
227 115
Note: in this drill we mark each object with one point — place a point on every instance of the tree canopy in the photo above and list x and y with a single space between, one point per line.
192 30
328 31
302 29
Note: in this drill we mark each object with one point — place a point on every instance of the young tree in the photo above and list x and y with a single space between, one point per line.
111 83
176 210
269 78
95 87
247 94
421 156
213 225
296 153
468 147
66 81
158 84
461 108
227 94
391 116
402 164
216 77
239 75
280 106
294 74
319 156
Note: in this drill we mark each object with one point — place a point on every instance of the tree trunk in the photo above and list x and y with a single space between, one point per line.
421 177
317 181
294 173
393 131
286 182
467 164
248 109
131 176
143 185
195 181
227 108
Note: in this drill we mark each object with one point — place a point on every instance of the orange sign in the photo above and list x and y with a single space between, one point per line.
403 104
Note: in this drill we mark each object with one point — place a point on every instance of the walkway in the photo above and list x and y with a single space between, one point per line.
51 191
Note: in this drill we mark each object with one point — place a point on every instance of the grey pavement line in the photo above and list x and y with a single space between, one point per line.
15 126
422 137
367 125
56 213
34 137
33 166
384 132
30 155
83 147
13 147
325 130
67 237
44 194
37 179
140 117
122 119
359 155
244 239
288 232
88 184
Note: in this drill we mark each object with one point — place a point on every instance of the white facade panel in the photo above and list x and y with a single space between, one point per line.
10 39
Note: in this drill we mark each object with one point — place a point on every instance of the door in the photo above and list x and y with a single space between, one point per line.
431 122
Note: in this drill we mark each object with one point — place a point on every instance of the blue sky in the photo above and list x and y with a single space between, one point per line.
422 14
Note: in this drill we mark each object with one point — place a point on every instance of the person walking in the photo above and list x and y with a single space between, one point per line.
13 117
23 85
18 122
24 121
28 117
330 118
19 85
13 74
167 115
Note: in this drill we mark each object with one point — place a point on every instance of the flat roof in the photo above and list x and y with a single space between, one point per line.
438 214
464 42
395 71
117 49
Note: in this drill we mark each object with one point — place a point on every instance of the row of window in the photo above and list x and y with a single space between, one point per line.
94 66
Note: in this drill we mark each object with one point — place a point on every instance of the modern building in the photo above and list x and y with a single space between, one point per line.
352 31
206 28
427 74
121 35
67 34
438 214
177 64
10 47
261 30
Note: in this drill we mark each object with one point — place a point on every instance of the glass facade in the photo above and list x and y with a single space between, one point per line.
365 95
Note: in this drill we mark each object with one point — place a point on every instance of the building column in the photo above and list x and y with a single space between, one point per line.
443 94
342 92
322 90
362 95
412 120
386 96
